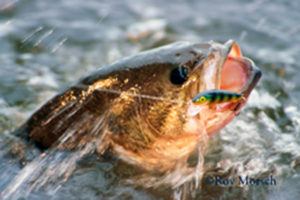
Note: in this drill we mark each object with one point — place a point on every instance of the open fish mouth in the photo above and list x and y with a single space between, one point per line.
239 74
225 68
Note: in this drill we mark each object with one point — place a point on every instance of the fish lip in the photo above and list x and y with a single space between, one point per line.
252 80
248 87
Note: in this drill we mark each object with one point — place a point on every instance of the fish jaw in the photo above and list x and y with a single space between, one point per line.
231 72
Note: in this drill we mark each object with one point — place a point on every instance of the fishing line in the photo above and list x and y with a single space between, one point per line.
145 96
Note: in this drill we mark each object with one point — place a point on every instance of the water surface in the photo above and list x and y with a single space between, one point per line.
47 45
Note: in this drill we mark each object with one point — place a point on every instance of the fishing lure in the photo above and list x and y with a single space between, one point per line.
216 96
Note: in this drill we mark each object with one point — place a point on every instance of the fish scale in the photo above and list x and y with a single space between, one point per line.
139 108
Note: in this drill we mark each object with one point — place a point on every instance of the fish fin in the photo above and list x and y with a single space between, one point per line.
70 120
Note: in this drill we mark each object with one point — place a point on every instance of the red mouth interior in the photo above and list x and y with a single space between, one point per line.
234 73
234 76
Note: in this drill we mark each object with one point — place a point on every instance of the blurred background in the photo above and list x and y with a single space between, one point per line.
45 46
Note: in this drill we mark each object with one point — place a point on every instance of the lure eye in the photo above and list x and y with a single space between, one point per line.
202 99
179 75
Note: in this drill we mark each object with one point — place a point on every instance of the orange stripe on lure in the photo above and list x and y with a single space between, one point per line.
216 96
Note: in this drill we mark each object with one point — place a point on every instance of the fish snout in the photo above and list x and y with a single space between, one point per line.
253 79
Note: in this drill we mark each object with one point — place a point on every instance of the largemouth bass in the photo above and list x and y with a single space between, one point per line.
140 108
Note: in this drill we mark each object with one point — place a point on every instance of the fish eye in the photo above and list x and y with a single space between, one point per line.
179 75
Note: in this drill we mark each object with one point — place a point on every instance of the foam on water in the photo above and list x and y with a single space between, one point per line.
49 170
264 139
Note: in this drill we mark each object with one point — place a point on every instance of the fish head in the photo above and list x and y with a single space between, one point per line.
224 68
155 113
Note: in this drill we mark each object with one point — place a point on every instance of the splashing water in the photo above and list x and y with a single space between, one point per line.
52 168
262 141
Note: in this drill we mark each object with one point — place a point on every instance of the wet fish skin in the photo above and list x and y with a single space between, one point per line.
137 109
106 96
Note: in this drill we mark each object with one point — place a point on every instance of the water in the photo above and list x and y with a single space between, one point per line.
48 45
